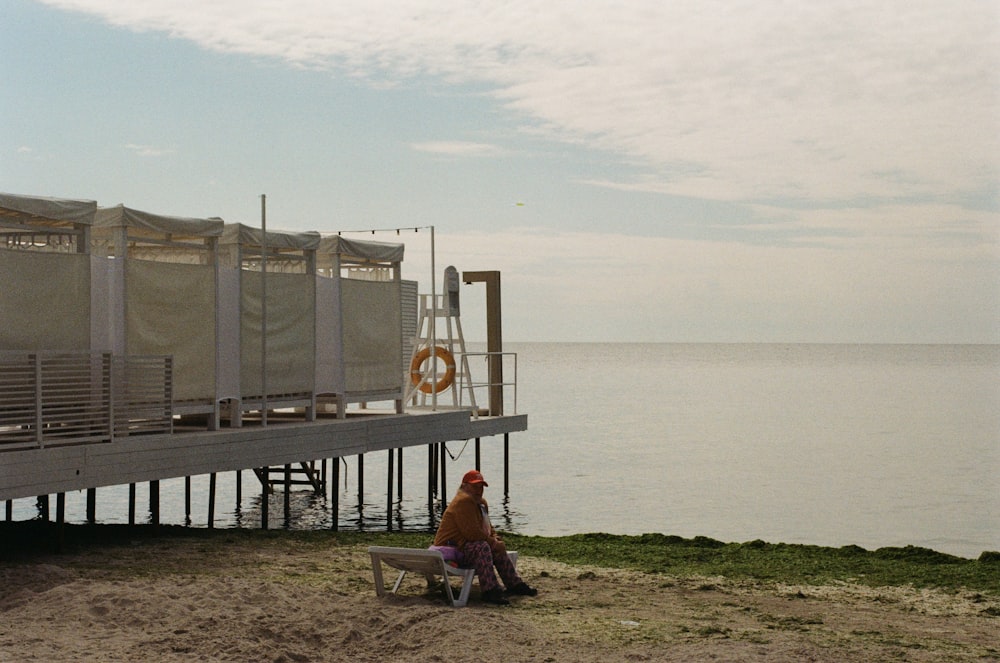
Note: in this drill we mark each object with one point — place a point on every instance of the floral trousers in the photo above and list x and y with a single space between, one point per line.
480 556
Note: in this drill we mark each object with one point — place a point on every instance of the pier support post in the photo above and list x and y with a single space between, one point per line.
506 464
431 483
399 473
211 501
187 501
444 477
154 503
288 495
335 494
388 501
264 499
361 480
131 504
478 458
91 506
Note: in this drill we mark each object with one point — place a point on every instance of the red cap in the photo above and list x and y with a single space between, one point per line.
474 476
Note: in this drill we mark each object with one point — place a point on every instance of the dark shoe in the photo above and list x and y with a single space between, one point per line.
522 589
495 596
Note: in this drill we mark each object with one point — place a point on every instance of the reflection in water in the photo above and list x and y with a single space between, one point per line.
309 510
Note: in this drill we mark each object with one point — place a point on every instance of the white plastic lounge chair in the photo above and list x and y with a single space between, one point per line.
428 562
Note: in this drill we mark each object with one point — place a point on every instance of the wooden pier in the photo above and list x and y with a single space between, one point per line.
138 347
151 458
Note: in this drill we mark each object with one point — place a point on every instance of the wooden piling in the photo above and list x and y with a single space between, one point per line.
388 500
211 500
91 506
335 494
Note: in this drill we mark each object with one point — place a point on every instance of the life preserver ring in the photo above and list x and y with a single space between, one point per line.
417 376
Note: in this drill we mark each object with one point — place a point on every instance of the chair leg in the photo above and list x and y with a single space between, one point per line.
399 581
467 579
379 581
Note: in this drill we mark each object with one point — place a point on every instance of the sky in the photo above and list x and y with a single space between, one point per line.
638 171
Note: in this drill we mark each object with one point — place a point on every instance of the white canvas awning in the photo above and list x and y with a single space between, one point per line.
360 250
237 233
40 209
178 227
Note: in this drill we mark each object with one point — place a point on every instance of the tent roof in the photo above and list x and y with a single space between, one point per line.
361 250
48 209
120 216
237 233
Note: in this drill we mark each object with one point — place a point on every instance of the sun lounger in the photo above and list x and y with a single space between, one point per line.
428 562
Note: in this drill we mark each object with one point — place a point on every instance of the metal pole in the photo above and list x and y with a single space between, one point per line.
434 365
263 309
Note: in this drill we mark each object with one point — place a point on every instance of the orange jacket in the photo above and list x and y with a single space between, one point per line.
462 522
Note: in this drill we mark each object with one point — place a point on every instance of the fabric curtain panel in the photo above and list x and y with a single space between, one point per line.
372 335
44 301
291 332
170 310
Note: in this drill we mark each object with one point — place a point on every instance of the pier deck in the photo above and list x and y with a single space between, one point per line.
140 458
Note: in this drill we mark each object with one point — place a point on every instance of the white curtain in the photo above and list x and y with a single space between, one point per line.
170 310
44 301
372 335
291 333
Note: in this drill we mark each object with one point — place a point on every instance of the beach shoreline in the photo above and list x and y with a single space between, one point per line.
281 596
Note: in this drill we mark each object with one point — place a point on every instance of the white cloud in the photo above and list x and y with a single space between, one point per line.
458 148
726 100
148 150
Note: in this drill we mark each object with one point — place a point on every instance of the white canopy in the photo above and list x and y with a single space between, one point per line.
361 250
120 216
52 209
237 233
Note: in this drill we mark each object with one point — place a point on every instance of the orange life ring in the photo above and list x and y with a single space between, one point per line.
416 375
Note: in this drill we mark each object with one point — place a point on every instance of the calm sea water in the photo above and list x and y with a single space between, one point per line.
873 445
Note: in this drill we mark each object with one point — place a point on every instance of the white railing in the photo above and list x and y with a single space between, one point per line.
54 399
497 394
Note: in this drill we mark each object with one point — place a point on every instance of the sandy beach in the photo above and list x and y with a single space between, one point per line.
237 598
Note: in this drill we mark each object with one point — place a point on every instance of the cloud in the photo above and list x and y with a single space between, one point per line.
148 150
747 101
458 148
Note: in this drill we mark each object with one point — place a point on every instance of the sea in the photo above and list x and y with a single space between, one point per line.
831 445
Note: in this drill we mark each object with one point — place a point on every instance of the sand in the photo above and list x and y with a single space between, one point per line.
281 600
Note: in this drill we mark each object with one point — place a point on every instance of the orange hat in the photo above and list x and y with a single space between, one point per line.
474 476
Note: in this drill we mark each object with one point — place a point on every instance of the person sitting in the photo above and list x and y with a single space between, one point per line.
466 526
